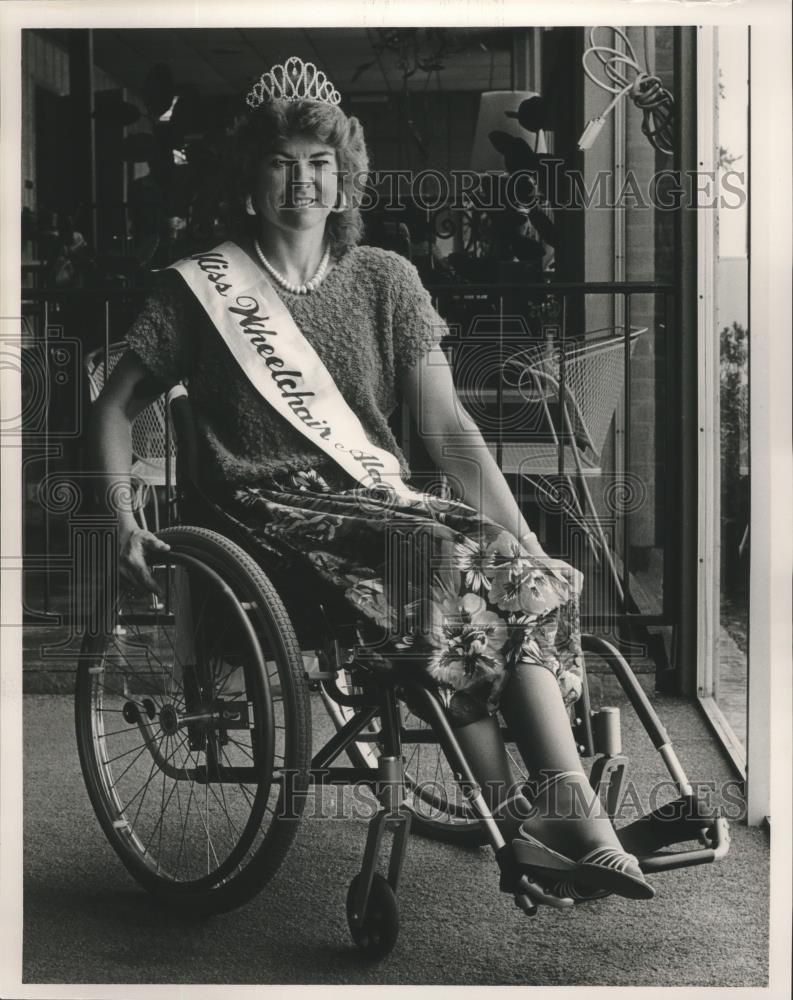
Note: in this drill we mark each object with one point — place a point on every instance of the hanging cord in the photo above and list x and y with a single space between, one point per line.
625 76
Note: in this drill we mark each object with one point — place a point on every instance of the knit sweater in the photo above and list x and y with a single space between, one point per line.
370 320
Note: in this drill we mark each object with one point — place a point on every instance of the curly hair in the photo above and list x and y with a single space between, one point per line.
259 129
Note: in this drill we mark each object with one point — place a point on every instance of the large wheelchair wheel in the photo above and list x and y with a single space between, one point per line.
193 726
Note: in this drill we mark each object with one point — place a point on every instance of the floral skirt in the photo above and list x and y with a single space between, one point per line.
433 584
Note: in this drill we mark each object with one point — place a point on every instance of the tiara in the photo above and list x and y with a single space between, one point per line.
294 81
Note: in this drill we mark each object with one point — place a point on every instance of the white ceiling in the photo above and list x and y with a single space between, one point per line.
228 60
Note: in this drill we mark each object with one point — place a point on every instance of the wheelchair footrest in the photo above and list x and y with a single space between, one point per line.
717 837
675 822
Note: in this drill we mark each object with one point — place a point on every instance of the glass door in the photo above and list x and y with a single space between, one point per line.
723 92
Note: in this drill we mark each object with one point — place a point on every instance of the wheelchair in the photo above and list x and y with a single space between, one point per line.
194 729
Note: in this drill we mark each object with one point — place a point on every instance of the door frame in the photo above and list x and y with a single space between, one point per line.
708 412
769 255
771 464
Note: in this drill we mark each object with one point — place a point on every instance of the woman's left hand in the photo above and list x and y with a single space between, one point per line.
571 576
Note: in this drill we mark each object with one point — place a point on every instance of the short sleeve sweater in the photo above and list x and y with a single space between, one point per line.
370 320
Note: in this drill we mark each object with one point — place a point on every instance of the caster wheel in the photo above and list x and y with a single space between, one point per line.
378 933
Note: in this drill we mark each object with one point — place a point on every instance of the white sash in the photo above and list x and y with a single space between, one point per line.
281 364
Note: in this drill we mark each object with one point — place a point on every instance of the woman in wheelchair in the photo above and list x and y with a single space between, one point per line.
296 342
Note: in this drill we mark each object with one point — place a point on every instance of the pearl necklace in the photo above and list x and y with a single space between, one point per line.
303 289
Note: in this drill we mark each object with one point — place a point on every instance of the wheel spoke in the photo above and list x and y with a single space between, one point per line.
240 785
136 673
198 621
224 806
134 760
127 729
182 819
144 788
126 753
163 807
203 820
243 748
189 801
228 677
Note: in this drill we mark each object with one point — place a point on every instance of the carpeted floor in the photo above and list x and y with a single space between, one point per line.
85 921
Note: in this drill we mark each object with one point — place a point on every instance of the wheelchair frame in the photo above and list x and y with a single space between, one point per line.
371 904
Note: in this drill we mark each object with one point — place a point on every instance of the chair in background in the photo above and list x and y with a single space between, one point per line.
576 391
150 439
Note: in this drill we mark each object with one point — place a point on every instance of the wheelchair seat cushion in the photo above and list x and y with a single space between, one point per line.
432 584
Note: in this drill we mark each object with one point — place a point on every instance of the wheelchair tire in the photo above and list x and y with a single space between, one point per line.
193 726
378 933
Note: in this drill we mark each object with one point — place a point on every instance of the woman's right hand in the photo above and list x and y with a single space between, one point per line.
135 544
